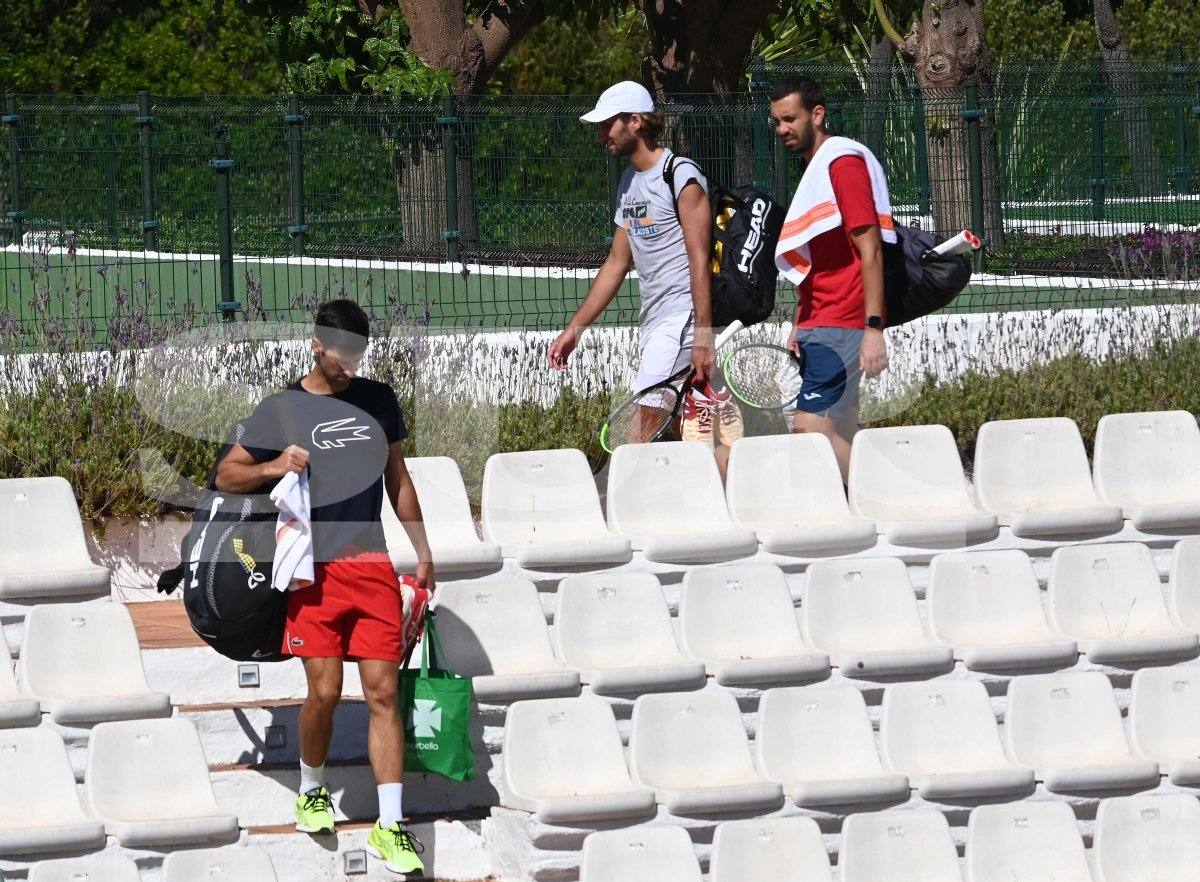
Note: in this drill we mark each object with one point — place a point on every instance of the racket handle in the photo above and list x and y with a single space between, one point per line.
725 335
960 244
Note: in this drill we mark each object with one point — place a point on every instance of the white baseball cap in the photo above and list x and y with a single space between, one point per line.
624 97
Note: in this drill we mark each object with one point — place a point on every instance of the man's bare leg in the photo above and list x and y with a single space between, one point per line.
385 737
316 715
839 432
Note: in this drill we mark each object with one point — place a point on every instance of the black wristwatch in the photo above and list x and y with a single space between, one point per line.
875 321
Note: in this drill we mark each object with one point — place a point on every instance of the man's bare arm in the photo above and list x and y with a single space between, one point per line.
402 496
868 242
695 217
601 293
239 473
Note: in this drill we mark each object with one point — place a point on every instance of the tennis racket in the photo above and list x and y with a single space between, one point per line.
764 376
650 414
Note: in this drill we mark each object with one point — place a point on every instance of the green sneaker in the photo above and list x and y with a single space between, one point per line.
314 811
397 848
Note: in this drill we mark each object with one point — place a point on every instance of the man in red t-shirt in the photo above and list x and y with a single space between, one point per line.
840 309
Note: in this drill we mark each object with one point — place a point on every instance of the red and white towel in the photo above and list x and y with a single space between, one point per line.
293 568
814 208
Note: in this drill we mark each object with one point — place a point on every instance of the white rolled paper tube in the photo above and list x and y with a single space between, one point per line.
960 244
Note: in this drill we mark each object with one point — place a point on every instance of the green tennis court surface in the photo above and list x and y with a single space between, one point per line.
101 285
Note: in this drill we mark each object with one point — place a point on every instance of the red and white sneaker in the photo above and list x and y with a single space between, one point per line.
728 419
698 416
415 600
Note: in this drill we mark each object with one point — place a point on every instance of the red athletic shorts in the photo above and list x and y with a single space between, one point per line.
352 610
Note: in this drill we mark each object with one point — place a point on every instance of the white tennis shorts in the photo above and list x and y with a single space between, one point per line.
664 349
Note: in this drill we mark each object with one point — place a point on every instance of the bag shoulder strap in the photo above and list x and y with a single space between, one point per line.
669 177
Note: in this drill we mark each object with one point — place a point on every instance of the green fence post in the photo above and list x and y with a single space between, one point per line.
222 167
1179 72
12 119
923 190
110 179
834 122
145 124
760 122
1099 184
973 115
294 119
448 122
782 182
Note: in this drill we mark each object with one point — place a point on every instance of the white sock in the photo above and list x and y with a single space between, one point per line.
391 803
311 777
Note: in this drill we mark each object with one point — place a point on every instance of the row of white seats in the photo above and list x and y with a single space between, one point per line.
1138 839
907 484
80 664
737 622
564 762
542 509
146 783
199 865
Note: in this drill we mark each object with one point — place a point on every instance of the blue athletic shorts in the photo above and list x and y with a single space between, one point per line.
831 371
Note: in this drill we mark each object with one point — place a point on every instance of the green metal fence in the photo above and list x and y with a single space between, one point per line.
490 211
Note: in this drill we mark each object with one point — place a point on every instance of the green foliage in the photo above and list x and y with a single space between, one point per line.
1150 27
172 47
1045 31
576 55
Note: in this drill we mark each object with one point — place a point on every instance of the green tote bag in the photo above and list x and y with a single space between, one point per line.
435 704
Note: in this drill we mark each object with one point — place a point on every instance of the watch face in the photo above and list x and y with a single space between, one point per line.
874 321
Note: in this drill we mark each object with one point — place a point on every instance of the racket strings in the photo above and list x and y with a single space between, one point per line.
643 418
762 376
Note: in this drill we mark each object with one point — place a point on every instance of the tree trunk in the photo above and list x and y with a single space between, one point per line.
700 45
879 91
948 49
1139 137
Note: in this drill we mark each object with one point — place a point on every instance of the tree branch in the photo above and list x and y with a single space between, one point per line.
886 21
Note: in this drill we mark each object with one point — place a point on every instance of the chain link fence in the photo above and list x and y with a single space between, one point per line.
492 212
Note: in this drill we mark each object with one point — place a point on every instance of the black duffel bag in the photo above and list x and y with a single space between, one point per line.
916 281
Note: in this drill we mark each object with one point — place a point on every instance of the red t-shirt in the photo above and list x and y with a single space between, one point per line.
831 295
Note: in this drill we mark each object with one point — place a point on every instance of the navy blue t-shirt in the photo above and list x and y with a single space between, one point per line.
347 436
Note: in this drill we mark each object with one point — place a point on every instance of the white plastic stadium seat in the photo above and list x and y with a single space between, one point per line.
788 490
1025 840
495 632
1149 464
219 865
987 605
40 811
740 620
778 849
668 500
910 481
97 868
615 629
564 762
448 522
1148 839
1109 599
1068 727
1164 720
1034 475
639 854
1183 590
83 663
43 553
863 613
691 749
899 846
541 507
943 736
172 806
15 709
817 741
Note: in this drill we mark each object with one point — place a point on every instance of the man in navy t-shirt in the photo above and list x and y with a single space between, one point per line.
346 430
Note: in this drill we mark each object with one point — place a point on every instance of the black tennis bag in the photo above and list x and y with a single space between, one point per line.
746 228
916 281
227 557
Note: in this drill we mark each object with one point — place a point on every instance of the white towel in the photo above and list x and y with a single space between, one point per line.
814 208
293 566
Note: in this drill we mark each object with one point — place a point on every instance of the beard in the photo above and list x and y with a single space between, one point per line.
806 138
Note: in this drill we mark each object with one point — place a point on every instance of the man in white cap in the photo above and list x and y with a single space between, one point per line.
666 236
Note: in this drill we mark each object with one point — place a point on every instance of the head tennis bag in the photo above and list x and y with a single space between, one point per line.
746 228
916 281
227 558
